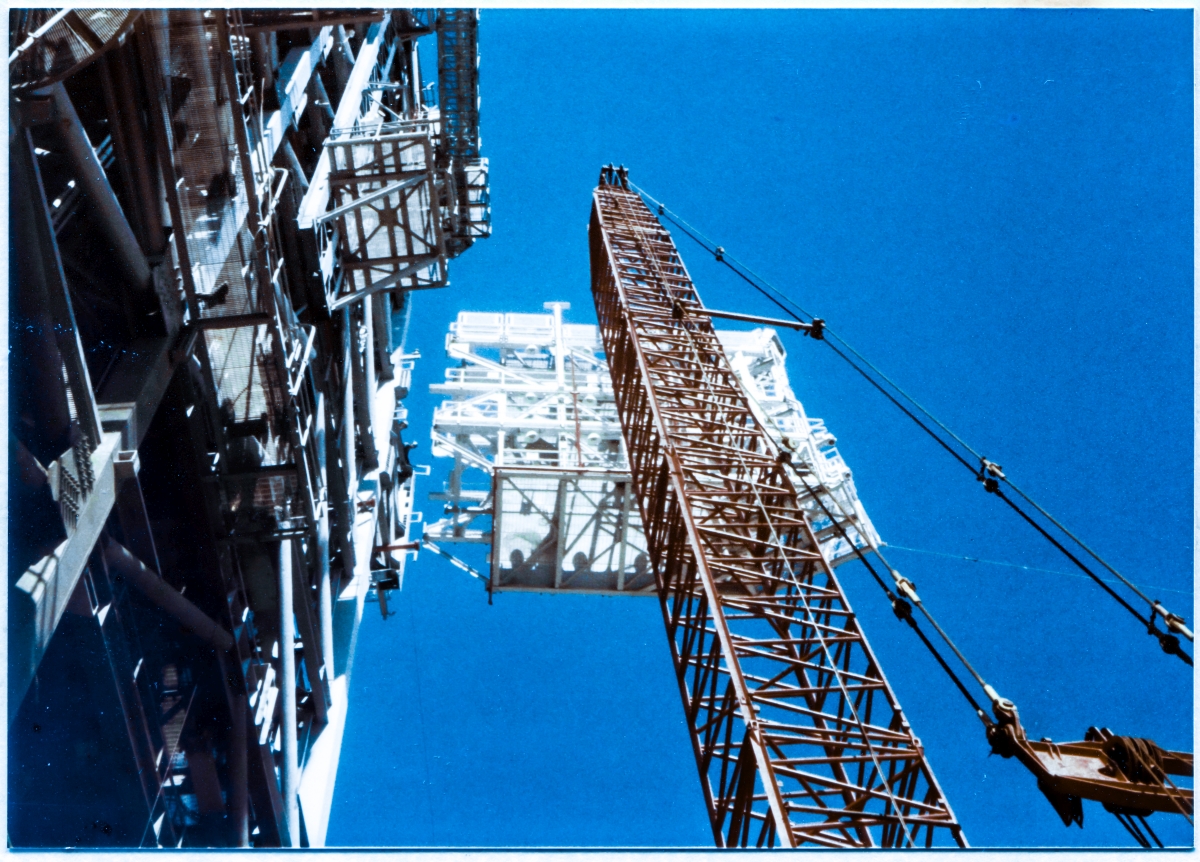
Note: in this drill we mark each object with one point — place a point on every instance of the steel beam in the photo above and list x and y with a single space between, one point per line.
162 594
289 778
96 186
34 226
317 196
41 594
325 585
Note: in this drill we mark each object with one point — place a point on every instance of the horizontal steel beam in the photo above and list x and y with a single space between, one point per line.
327 18
233 321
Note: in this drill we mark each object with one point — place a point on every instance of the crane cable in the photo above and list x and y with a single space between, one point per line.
901 607
989 473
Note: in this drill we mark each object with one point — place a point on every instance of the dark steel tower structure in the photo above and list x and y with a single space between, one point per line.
210 284
797 735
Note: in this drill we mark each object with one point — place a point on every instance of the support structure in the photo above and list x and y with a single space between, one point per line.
797 734
210 479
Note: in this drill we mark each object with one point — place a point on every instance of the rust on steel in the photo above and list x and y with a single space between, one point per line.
798 737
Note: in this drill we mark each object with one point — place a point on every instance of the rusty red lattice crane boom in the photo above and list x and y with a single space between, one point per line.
798 737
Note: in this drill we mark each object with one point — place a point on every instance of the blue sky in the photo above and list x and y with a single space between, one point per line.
995 206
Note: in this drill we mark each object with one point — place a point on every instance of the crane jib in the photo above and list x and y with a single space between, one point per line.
797 734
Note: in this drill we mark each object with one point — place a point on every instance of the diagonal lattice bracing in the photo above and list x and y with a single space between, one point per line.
797 735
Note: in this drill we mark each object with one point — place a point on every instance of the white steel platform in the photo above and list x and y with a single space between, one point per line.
541 474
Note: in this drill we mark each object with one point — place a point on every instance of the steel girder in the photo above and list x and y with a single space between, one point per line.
797 734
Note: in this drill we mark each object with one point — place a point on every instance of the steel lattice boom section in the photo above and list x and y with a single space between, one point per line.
797 734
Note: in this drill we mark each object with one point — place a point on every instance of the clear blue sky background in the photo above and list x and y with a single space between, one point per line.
996 208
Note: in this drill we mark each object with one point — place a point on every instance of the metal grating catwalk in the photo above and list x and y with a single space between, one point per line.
798 737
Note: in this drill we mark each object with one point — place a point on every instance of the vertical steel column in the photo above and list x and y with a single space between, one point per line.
363 359
381 304
289 778
798 737
349 396
325 587
54 282
141 168
307 626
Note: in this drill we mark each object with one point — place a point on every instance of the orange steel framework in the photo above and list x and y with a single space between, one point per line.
798 737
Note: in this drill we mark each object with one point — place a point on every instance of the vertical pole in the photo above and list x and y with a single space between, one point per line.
363 377
369 376
350 459
623 534
561 529
381 314
289 778
325 588
238 772
35 344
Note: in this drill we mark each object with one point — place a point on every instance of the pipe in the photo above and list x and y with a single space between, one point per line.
289 777
152 64
95 185
143 169
122 156
381 315
364 397
165 596
414 75
323 96
294 164
325 589
344 43
264 57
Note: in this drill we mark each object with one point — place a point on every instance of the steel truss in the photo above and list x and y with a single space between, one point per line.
797 735
395 195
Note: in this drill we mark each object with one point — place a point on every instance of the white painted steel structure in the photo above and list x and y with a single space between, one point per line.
540 470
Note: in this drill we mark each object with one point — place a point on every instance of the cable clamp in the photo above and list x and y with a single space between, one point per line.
906 587
1173 622
989 474
816 329
720 254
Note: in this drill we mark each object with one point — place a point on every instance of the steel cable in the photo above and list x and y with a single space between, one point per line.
899 606
1168 642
